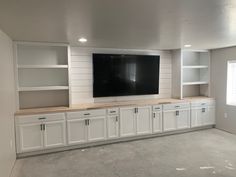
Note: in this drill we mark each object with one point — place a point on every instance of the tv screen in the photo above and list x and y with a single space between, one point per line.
122 75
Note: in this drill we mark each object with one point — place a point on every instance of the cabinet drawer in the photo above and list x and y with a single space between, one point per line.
112 111
176 106
157 107
87 113
203 103
40 118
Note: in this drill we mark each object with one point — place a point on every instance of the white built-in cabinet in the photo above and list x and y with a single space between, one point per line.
127 121
202 114
47 131
144 120
97 128
40 132
86 126
77 131
135 121
30 137
113 123
157 121
176 116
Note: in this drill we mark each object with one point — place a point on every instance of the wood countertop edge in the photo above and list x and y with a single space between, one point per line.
106 105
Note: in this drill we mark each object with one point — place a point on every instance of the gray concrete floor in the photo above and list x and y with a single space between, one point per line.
196 154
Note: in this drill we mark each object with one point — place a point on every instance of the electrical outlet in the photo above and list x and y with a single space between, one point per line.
226 115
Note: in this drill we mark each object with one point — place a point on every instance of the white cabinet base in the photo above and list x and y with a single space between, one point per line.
109 141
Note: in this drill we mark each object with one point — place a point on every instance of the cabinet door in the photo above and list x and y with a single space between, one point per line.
206 117
113 126
127 122
97 128
157 122
196 117
169 120
144 120
77 131
212 115
31 137
54 134
183 119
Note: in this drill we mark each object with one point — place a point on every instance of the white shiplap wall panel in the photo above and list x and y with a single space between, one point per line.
82 78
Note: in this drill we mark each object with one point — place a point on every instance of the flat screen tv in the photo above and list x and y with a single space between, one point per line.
122 75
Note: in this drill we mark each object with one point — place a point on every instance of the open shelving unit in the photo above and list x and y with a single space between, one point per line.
192 73
41 75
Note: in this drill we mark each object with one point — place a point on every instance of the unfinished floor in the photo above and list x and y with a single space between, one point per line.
197 154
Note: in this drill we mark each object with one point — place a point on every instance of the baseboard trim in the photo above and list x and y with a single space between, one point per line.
111 141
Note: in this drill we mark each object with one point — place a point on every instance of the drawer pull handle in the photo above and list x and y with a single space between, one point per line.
87 114
177 106
177 113
203 109
42 127
41 118
112 111
116 118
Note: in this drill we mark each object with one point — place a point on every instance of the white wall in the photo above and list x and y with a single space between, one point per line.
218 88
7 106
82 80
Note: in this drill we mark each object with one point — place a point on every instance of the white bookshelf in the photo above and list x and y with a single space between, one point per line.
192 73
42 74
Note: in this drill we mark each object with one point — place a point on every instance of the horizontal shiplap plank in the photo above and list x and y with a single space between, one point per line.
81 64
165 76
85 76
81 58
82 83
81 70
165 70
82 89
82 95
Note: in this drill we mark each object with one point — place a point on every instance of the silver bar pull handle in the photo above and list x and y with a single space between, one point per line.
44 127
203 109
177 113
41 118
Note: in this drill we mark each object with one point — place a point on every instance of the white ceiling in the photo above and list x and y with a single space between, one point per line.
140 24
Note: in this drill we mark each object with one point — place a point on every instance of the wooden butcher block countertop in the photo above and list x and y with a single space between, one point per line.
104 105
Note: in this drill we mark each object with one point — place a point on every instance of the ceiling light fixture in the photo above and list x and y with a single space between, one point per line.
187 45
82 40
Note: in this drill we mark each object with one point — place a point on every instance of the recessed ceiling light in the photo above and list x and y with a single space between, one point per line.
187 45
82 40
